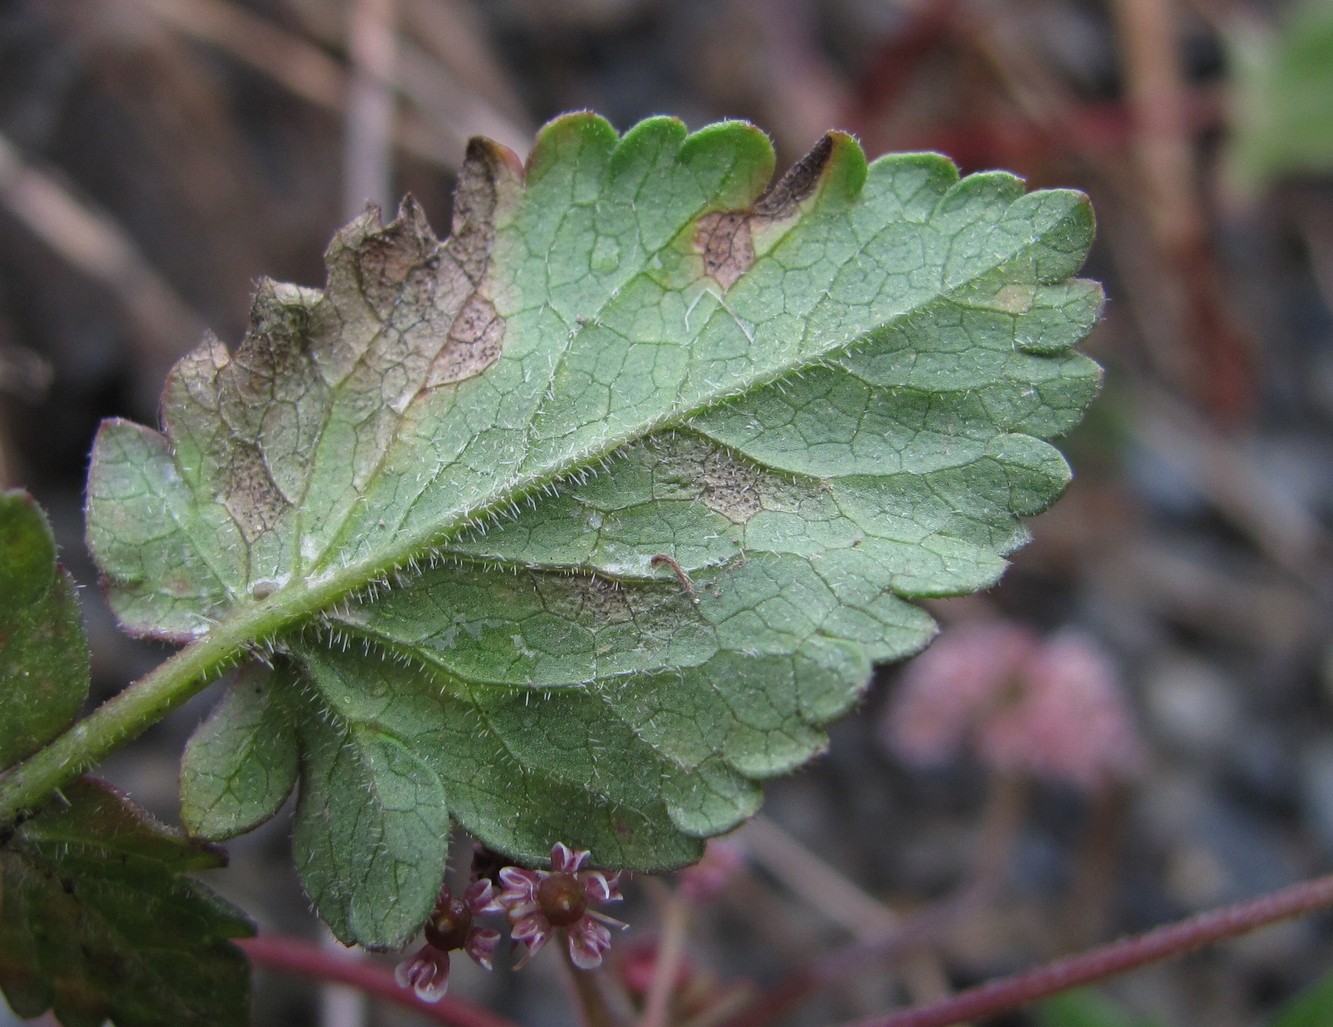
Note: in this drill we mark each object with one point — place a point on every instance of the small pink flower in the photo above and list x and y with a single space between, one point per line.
426 973
451 927
539 901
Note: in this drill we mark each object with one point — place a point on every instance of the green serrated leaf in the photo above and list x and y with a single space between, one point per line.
583 522
97 921
372 830
43 655
242 761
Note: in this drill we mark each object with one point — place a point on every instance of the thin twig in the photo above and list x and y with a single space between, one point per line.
817 882
593 1008
448 69
293 63
1119 957
1214 347
840 899
443 73
913 934
340 1005
1006 807
292 955
93 242
1088 903
367 144
670 950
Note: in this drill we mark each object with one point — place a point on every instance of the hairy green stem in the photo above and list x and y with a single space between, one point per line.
126 715
146 701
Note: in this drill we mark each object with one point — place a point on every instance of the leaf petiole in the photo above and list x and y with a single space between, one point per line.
126 715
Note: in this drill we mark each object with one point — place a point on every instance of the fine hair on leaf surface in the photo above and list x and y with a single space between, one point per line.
579 524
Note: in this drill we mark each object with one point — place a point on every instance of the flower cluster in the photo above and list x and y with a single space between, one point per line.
537 903
1052 709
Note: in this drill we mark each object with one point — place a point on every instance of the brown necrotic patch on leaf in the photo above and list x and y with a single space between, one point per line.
715 475
269 366
401 313
797 185
475 333
389 261
473 344
725 239
432 321
730 486
192 397
605 601
487 170
253 500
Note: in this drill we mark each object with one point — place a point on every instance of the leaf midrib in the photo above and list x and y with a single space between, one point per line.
305 597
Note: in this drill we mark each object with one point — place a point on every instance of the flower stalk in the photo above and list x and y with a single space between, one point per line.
1118 957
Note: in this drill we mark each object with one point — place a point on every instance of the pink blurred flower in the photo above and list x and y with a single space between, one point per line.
451 927
540 901
1051 709
704 881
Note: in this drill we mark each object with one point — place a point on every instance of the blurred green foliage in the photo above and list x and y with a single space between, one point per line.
1087 1008
1313 1007
1284 97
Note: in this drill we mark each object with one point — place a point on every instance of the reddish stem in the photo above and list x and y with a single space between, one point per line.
1118 957
292 955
